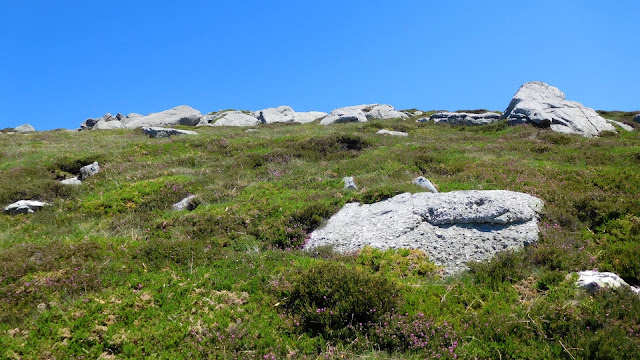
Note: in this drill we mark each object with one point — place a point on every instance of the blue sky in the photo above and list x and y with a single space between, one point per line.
65 61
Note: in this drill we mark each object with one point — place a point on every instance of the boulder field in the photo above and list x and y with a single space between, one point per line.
534 103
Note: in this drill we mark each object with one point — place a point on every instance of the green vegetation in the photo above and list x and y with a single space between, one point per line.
108 270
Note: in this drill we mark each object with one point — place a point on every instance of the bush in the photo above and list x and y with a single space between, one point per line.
400 262
332 299
506 267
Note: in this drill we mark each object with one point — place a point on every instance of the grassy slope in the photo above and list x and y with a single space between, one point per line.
109 270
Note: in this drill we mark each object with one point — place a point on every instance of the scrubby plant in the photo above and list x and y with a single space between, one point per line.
335 300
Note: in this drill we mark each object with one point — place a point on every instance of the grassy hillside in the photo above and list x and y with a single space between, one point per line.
108 270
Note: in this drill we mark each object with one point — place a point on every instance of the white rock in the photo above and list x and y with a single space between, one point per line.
160 132
545 105
23 129
594 280
108 125
235 118
467 119
339 116
621 125
384 112
349 184
131 117
453 228
89 170
181 115
308 116
394 133
425 183
281 114
24 207
423 119
186 204
72 181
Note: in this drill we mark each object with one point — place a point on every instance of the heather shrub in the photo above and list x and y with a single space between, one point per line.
333 299
400 262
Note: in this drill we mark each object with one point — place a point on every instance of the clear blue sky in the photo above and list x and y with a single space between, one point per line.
65 61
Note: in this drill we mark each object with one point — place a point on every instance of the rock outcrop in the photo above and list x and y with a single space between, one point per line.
180 115
621 125
24 128
637 118
24 207
545 105
229 118
595 280
362 113
160 132
453 228
463 118
285 114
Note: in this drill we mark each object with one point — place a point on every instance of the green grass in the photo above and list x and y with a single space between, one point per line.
109 270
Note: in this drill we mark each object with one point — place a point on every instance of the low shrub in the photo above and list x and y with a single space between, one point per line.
334 300
400 262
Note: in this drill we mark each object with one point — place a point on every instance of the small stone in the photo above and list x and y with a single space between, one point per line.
24 207
89 170
594 280
72 181
425 183
394 133
187 203
349 184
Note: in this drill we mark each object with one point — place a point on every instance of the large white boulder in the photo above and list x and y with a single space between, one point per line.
108 125
453 228
24 207
230 118
545 105
462 118
23 129
181 115
280 114
362 113
621 125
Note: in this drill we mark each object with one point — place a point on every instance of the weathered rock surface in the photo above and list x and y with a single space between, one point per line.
187 203
24 128
637 118
284 114
181 115
308 116
89 170
362 113
468 119
229 118
389 132
108 125
349 184
622 125
453 228
72 181
339 116
425 183
160 132
545 105
594 280
24 207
